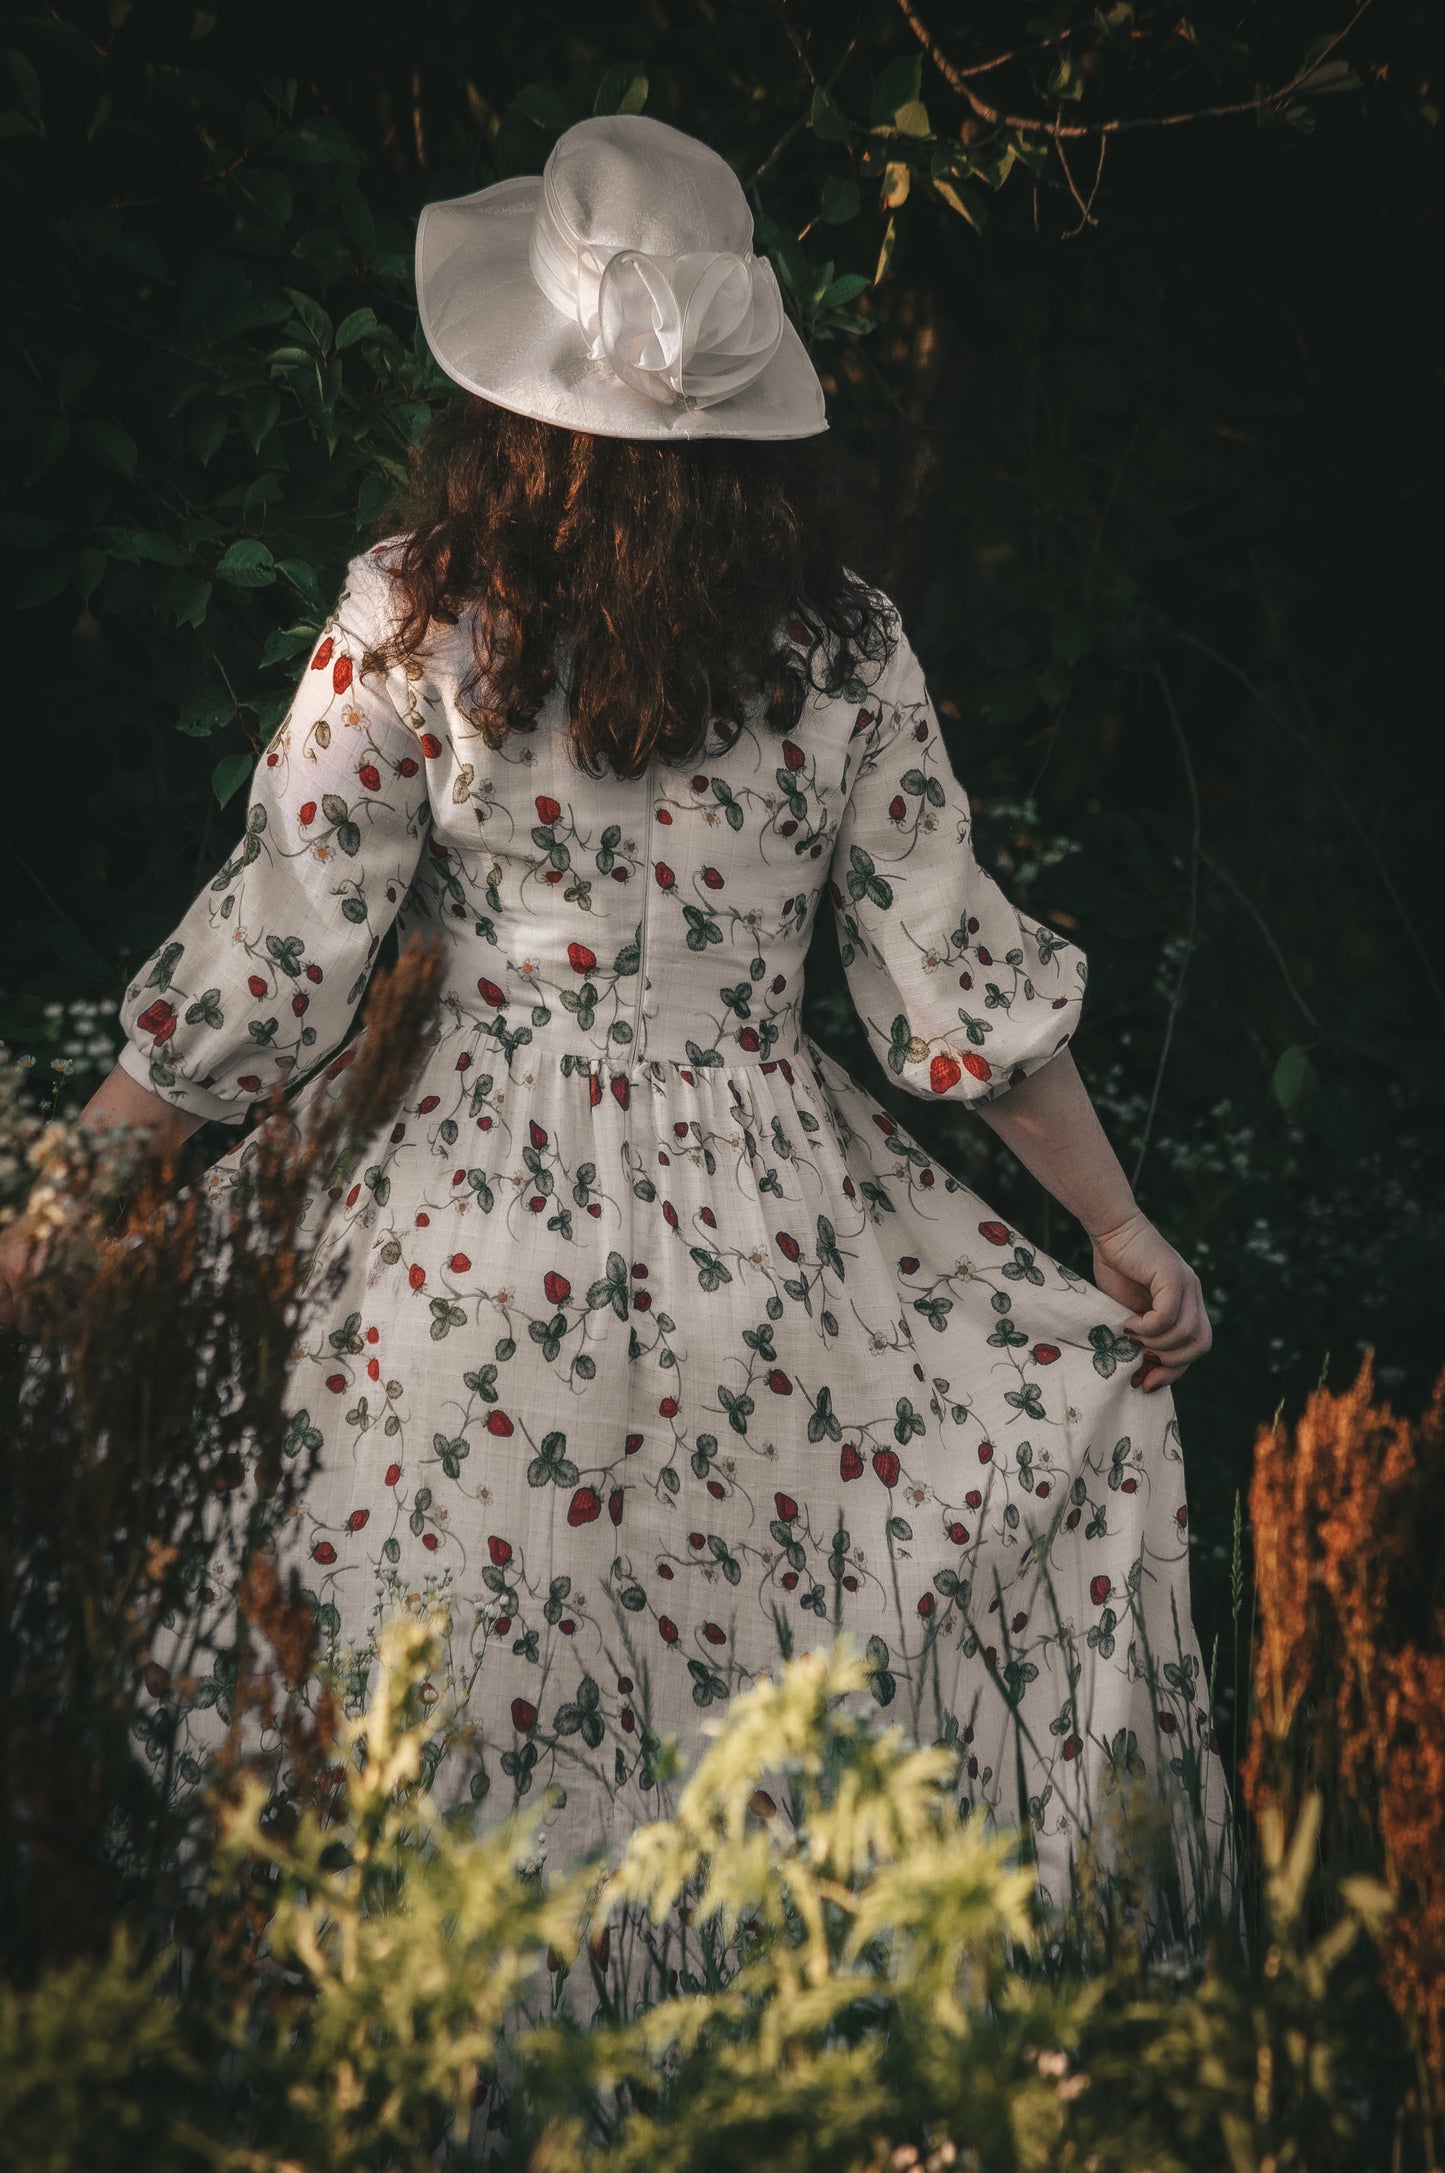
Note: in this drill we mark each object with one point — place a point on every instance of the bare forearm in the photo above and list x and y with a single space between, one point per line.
1050 1124
120 1099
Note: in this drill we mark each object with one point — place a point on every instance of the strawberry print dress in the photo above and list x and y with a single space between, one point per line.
652 1347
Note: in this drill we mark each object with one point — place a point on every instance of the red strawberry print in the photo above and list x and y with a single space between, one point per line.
256 985
850 1462
1099 1589
490 993
632 1444
958 1533
370 776
500 1551
585 1506
666 880
668 1629
712 878
898 807
944 1072
430 1541
547 808
416 1275
580 958
1046 1353
322 657
499 1424
357 1519
887 1466
430 745
786 1507
714 1634
341 674
976 1064
985 1452
556 1286
323 1552
779 1383
792 754
788 1245
524 1715
614 1505
393 1473
459 1263
995 1232
159 1021
306 814
336 1382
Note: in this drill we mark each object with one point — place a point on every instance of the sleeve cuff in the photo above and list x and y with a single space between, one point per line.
183 1093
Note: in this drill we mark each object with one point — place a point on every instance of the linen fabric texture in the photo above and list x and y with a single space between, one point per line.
651 1344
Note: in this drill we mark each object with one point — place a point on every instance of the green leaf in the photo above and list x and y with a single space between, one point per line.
968 207
136 547
247 564
207 433
229 775
190 598
357 213
313 316
112 445
204 714
1295 1079
841 201
846 289
825 120
355 327
27 83
896 88
287 641
622 90
912 119
260 416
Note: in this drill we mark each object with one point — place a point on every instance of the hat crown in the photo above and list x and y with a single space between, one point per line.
624 181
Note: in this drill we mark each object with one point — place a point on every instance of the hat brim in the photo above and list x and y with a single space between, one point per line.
495 333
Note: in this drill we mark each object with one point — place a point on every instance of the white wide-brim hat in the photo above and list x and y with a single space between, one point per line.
617 293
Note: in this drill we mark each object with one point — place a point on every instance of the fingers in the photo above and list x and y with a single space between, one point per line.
1165 1358
1167 1301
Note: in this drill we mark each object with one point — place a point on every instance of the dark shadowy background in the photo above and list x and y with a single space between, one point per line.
1147 428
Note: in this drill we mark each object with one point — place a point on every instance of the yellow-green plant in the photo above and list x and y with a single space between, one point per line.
397 1945
847 1938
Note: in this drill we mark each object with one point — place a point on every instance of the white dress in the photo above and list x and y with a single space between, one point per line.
652 1343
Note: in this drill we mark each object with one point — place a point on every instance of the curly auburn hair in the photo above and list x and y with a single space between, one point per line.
678 582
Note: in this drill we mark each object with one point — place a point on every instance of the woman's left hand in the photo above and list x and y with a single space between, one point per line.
1137 1265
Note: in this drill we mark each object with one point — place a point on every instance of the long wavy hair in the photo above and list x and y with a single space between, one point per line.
671 587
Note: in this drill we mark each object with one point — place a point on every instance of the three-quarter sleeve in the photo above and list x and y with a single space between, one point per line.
961 993
259 981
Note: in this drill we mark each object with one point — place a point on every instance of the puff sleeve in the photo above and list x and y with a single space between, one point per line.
260 979
961 993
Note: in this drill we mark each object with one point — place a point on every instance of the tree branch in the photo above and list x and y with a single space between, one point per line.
1032 124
